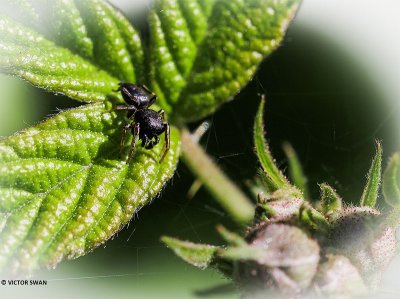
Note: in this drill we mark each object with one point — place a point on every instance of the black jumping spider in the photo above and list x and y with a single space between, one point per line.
146 124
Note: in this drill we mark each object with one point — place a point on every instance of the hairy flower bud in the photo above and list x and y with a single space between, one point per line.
359 234
287 262
338 278
282 205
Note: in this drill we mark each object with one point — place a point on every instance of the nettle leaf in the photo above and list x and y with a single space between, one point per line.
27 54
64 186
67 27
65 189
83 50
198 65
114 39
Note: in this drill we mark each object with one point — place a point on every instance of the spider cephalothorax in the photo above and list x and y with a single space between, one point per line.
146 124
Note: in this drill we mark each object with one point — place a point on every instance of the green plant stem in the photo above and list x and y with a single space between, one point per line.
231 198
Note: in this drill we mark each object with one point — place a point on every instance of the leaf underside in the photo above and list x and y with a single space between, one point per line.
65 189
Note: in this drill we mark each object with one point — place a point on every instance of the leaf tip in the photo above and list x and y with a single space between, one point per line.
370 193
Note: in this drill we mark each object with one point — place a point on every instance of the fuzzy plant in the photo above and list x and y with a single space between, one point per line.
300 248
65 188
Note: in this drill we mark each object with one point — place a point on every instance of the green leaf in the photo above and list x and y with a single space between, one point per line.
391 182
296 171
68 29
111 33
203 52
370 193
199 255
273 176
330 200
27 54
65 189
85 51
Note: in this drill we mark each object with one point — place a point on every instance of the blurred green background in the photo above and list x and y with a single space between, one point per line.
320 98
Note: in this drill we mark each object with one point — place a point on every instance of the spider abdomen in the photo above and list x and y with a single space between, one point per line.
150 122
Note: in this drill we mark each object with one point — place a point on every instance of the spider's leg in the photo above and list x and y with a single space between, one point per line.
131 113
146 89
167 141
153 96
124 107
124 131
161 113
135 133
152 100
